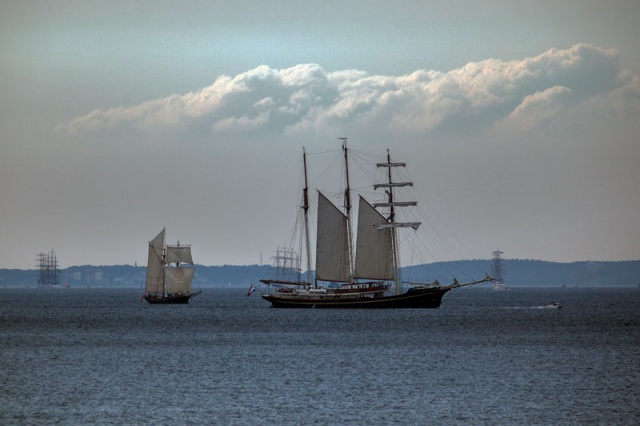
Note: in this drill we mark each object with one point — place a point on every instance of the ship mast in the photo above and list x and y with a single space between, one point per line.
392 204
394 234
164 275
305 207
347 204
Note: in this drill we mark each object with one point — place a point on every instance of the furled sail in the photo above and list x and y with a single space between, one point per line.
397 204
332 244
374 251
178 253
178 280
390 164
414 225
392 185
154 265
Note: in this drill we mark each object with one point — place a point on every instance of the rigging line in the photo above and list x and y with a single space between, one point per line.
413 251
437 248
469 270
438 242
367 156
459 242
444 223
365 168
416 245
329 151
324 171
294 233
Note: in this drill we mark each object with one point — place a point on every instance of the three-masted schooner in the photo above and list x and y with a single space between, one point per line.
373 279
170 272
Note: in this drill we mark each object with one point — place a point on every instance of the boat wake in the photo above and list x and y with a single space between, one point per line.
552 305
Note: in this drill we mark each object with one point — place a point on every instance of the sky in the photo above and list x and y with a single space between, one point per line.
519 121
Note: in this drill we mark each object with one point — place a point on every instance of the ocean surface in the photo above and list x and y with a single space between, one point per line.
100 356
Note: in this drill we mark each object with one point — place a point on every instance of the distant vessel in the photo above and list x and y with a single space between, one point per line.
374 280
497 270
498 285
47 264
553 305
170 271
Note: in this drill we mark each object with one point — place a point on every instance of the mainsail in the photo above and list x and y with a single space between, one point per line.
374 251
332 244
155 271
178 280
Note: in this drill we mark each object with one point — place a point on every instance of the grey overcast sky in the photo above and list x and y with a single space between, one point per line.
520 121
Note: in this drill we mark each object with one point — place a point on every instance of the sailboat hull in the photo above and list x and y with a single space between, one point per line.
425 298
174 299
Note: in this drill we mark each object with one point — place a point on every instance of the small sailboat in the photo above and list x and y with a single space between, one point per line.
372 279
170 272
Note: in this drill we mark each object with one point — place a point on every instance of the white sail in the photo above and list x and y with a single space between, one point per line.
178 280
332 245
178 253
154 283
374 252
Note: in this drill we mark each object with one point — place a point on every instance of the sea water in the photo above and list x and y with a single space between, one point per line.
100 356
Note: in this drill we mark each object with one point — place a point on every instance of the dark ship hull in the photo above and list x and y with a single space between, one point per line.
172 299
416 298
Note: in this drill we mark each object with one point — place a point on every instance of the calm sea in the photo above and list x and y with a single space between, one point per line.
99 356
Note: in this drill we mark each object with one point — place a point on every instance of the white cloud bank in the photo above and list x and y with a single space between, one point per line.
508 94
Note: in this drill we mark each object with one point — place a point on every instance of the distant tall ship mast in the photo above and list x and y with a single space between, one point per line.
497 271
48 271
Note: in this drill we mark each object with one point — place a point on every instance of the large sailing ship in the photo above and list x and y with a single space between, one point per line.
372 279
170 272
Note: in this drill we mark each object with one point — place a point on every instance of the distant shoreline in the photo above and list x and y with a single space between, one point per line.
518 273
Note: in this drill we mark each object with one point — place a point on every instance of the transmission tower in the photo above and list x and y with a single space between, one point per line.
497 269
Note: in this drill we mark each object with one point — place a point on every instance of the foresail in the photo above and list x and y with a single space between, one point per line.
154 265
332 244
179 280
158 241
374 252
180 254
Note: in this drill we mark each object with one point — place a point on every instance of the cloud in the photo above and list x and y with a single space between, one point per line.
522 93
539 108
